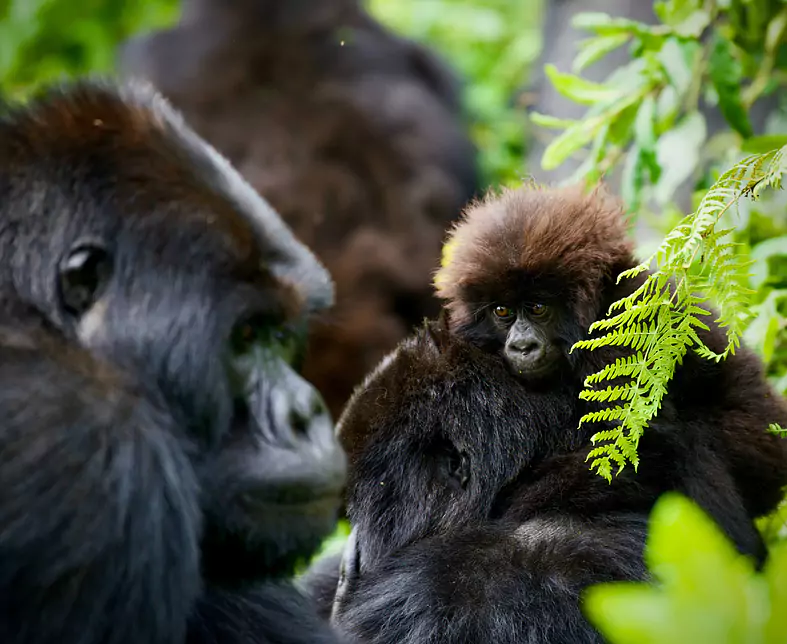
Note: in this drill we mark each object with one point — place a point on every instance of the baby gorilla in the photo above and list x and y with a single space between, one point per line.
470 523
531 269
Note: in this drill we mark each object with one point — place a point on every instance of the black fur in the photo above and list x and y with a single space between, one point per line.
156 475
505 557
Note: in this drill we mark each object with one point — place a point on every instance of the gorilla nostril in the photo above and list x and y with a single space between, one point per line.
528 348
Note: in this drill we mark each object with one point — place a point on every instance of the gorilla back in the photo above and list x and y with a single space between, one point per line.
475 515
158 450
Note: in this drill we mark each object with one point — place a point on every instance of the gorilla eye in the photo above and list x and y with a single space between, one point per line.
538 310
261 331
83 275
503 312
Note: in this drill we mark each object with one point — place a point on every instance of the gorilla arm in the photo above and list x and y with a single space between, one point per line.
99 522
503 584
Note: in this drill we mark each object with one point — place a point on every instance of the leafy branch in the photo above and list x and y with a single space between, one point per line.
659 321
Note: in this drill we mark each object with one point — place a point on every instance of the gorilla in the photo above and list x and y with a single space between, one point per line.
162 464
353 134
475 517
532 268
475 514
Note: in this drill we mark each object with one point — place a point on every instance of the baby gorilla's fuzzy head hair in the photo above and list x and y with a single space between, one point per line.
435 434
563 240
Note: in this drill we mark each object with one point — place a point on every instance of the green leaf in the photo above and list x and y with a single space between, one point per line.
726 76
674 12
645 136
578 89
633 178
674 57
592 50
678 153
764 143
776 577
707 591
606 25
762 333
693 25
571 140
551 122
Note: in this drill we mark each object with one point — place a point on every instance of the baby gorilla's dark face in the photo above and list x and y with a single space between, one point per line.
435 435
527 336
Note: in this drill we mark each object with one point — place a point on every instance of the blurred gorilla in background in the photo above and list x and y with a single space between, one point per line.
162 464
353 134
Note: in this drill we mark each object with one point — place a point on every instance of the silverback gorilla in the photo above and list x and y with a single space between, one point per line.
353 134
162 465
475 515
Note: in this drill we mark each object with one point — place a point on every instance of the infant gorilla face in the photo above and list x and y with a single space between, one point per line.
435 435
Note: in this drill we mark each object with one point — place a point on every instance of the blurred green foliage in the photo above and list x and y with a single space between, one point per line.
705 590
492 44
44 40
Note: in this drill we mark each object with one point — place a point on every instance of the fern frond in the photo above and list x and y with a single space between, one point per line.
659 321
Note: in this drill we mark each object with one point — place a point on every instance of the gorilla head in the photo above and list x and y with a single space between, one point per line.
434 436
158 306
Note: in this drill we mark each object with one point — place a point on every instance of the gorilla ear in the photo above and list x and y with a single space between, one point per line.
436 334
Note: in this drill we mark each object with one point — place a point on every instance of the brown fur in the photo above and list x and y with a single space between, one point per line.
352 133
576 236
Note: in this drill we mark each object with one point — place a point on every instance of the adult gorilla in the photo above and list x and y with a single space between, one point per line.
161 461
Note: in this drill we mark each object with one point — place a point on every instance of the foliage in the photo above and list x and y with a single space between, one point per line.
648 120
705 592
491 43
43 40
659 320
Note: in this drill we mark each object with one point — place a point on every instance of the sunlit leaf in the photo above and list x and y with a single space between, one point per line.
674 57
645 136
594 49
567 143
552 122
578 89
706 591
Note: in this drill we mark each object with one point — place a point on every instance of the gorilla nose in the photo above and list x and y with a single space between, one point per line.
298 410
528 347
297 431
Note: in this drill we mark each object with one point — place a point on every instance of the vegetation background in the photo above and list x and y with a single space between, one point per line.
649 127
